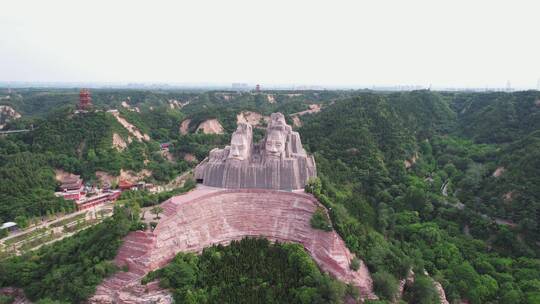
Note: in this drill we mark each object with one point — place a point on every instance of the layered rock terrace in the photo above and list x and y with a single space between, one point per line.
208 216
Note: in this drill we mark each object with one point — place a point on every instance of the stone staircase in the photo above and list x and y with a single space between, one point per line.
131 254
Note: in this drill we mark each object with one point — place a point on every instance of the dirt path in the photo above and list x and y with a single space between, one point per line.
461 206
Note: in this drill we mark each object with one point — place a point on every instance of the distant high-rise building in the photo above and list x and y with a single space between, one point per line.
85 100
240 86
538 85
258 88
508 86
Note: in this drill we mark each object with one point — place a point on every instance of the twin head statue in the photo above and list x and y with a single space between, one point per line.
277 162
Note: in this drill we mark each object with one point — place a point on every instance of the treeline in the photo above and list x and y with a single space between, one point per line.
39 102
497 117
250 271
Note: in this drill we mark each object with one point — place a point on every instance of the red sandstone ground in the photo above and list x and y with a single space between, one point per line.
208 216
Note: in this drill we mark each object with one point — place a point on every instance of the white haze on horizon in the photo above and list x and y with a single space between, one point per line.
333 43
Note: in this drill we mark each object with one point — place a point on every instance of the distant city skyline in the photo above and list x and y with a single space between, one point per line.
245 86
338 44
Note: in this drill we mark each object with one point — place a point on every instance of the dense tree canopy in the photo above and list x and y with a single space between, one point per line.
249 271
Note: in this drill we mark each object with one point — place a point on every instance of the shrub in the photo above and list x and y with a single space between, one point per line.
319 220
422 291
355 264
385 285
5 299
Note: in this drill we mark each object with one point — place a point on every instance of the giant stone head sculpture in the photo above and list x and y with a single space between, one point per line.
241 142
276 162
276 135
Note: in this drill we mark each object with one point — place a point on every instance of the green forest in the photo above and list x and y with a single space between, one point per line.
442 182
250 271
446 213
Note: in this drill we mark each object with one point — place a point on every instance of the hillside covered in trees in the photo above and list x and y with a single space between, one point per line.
436 181
414 185
248 271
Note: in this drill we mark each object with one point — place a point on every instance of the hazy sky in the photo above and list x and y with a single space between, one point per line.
464 43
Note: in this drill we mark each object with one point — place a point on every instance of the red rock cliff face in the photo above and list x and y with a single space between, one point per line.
210 216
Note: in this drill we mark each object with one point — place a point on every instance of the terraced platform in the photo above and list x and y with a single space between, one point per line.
208 216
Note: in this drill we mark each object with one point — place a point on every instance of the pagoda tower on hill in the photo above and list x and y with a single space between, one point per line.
85 100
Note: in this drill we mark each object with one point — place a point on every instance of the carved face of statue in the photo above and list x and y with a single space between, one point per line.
240 147
275 143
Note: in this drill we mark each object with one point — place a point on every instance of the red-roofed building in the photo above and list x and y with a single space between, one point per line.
71 187
71 182
126 185
99 199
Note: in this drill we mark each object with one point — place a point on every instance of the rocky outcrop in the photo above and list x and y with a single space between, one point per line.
409 281
498 172
190 158
184 126
126 105
134 177
441 293
508 196
7 114
297 122
252 118
118 142
410 162
313 108
208 216
210 126
16 294
176 104
278 162
131 128
125 175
